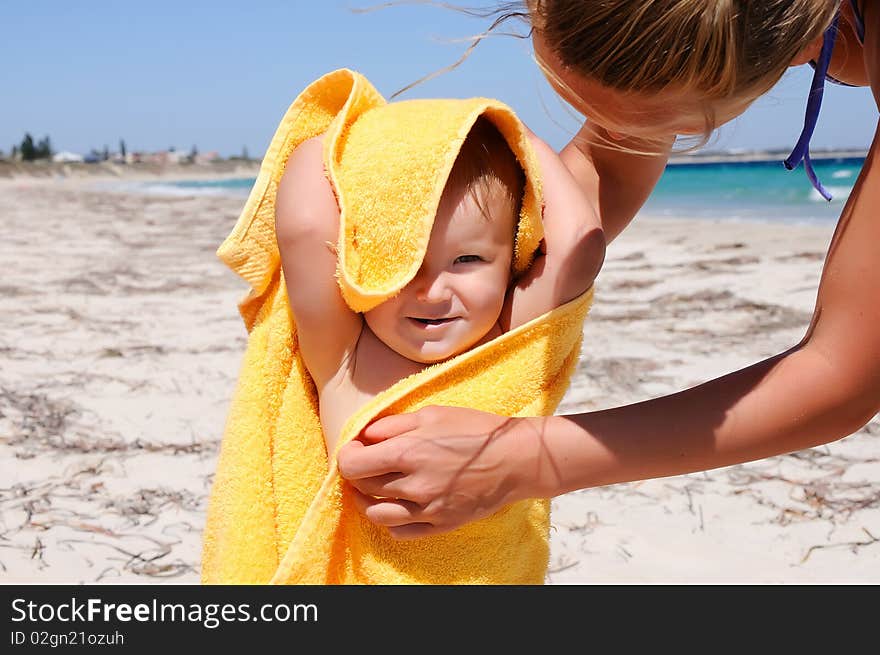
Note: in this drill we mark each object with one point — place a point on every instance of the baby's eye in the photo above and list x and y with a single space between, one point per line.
467 259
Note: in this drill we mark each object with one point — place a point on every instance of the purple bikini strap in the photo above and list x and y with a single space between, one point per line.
801 150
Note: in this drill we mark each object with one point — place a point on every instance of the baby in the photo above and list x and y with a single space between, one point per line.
463 295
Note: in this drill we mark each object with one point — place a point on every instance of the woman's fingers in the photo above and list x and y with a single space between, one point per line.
387 511
380 485
389 426
356 461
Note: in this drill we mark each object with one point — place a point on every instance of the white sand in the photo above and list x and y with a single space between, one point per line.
120 345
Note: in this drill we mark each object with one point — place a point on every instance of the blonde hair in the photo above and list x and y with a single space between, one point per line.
723 51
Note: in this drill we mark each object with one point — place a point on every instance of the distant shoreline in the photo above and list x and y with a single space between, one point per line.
754 156
237 168
230 168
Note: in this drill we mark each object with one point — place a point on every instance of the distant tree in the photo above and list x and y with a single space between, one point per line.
14 152
106 154
44 149
244 153
122 148
28 151
193 153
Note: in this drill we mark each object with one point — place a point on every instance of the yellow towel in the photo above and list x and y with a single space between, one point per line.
279 512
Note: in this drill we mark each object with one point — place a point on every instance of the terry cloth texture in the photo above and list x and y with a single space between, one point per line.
279 512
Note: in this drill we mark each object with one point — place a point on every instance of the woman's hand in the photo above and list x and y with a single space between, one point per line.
433 470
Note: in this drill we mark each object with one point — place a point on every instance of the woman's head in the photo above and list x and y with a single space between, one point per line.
683 66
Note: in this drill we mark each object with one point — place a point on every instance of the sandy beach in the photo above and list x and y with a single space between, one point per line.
120 345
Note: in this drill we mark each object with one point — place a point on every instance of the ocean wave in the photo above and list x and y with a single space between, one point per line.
172 190
184 188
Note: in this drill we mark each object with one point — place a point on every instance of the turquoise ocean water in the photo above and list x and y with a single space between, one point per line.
762 190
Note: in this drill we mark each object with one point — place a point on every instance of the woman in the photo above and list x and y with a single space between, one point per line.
642 72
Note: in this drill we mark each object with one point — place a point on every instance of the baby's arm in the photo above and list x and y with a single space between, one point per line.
614 177
307 227
573 249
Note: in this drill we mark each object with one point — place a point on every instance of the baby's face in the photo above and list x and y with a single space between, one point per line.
456 297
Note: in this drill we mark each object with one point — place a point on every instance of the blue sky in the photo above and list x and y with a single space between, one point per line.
219 74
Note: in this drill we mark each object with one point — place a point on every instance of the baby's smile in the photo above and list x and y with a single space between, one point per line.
430 322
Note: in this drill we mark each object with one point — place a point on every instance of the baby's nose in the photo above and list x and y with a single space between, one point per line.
433 288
